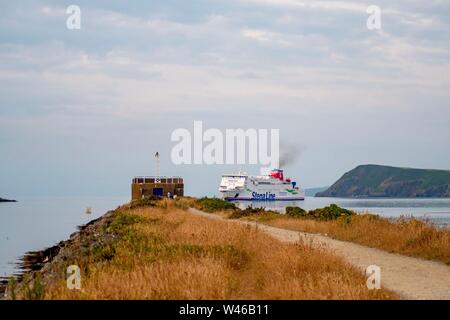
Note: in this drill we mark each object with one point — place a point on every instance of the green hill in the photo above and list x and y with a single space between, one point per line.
311 192
383 181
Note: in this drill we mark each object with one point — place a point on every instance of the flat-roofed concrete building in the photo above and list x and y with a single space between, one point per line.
142 187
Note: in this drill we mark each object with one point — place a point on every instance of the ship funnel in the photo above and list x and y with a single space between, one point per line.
277 174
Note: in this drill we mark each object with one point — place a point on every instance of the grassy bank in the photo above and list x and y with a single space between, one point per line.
405 236
157 250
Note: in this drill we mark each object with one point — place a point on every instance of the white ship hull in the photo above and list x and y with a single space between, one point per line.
241 187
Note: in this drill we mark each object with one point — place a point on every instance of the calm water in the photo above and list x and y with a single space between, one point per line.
37 223
435 210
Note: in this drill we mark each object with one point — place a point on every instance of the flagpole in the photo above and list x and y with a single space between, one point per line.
157 174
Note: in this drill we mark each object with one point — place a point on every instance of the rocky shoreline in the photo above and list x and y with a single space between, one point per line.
50 263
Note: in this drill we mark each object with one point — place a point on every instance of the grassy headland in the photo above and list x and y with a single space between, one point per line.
386 181
158 250
407 236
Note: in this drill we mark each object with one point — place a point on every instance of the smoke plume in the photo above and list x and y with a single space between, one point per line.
289 154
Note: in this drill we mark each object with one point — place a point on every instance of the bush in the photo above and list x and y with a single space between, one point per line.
144 202
121 221
34 291
331 212
249 211
296 212
214 204
12 285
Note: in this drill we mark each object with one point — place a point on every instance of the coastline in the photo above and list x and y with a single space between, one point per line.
43 263
44 271
94 239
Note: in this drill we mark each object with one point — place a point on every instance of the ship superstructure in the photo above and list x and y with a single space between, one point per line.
273 187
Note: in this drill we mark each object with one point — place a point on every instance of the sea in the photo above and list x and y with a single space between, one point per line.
35 223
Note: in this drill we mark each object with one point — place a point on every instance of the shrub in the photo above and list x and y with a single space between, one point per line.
36 290
103 251
214 204
12 285
296 212
144 202
261 213
121 221
331 212
250 211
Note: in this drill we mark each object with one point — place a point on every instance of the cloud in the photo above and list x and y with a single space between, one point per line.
313 4
309 67
258 34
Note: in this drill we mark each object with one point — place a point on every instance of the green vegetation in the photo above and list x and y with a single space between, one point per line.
250 211
12 284
407 236
385 181
34 291
165 252
144 202
296 212
332 212
117 229
122 220
214 205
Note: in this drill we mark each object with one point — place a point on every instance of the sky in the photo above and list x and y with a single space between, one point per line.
83 111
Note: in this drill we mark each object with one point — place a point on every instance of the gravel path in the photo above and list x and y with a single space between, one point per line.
411 278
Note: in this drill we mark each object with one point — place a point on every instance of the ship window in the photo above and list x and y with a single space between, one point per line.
232 181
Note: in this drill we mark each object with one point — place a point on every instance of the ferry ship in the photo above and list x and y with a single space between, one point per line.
273 187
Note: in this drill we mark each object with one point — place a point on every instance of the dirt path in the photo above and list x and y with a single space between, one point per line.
411 278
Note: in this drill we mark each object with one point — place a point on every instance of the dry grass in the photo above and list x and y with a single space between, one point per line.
167 253
404 236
